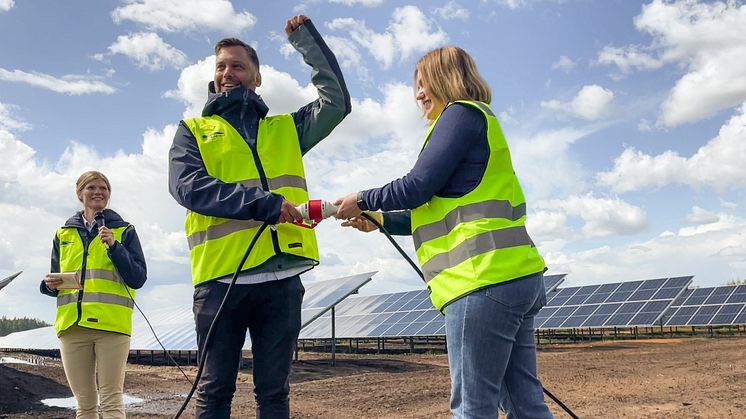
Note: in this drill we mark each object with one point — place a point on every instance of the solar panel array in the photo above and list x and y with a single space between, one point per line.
389 315
716 306
399 314
621 304
175 325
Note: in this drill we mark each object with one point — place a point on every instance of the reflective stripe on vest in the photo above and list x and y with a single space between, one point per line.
104 303
96 297
480 239
216 245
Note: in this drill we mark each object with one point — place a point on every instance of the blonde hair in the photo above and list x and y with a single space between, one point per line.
449 73
87 178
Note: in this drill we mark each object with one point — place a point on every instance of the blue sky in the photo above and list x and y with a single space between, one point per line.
626 120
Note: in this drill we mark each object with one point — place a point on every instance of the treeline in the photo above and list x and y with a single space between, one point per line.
18 324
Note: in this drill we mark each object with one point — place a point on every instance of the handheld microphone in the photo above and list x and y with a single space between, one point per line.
99 217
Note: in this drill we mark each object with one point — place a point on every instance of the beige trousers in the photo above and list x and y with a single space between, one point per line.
86 354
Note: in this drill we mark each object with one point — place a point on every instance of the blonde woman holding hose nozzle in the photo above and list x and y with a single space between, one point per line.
94 323
465 209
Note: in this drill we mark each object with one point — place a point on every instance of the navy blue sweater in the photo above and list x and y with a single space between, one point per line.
451 165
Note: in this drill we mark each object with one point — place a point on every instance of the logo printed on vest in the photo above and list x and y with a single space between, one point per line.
212 135
65 243
294 245
92 320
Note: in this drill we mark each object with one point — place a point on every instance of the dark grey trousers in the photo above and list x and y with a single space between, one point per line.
271 313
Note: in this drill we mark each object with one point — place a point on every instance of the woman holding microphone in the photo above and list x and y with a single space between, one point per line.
465 209
94 321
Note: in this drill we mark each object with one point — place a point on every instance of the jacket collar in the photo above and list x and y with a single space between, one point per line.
231 104
111 218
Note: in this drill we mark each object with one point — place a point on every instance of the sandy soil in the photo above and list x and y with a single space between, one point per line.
693 377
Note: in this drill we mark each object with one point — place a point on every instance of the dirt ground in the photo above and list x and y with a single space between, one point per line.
661 378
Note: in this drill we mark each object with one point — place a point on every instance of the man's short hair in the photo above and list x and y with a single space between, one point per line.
235 42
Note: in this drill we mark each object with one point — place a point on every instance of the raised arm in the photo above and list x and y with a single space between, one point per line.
317 119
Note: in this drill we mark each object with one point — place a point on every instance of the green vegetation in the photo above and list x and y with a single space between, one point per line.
17 324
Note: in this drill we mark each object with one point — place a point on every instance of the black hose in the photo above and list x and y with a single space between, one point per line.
419 272
203 350
156 336
126 288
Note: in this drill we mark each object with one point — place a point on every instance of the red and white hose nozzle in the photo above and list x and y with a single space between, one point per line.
314 211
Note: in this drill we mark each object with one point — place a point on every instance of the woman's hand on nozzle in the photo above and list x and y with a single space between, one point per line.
347 207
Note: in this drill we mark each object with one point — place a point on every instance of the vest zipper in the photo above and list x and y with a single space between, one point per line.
257 163
82 275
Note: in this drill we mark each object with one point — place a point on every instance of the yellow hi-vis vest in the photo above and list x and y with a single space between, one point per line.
216 245
103 303
477 240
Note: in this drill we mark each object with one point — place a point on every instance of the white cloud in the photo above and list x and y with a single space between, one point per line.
602 216
70 84
713 253
727 205
409 31
347 55
366 3
707 39
380 45
564 63
185 15
716 84
39 196
279 90
717 164
192 86
8 121
149 51
702 216
560 173
548 225
344 162
6 5
507 116
452 10
513 4
592 102
628 59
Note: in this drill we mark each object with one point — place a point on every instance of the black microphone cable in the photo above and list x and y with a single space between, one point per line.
99 217
203 350
422 276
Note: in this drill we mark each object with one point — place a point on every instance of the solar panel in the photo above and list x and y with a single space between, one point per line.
714 306
552 281
321 296
622 304
388 315
175 325
407 313
8 280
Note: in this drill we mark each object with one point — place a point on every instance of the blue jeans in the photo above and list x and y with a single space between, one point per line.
491 351
271 313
